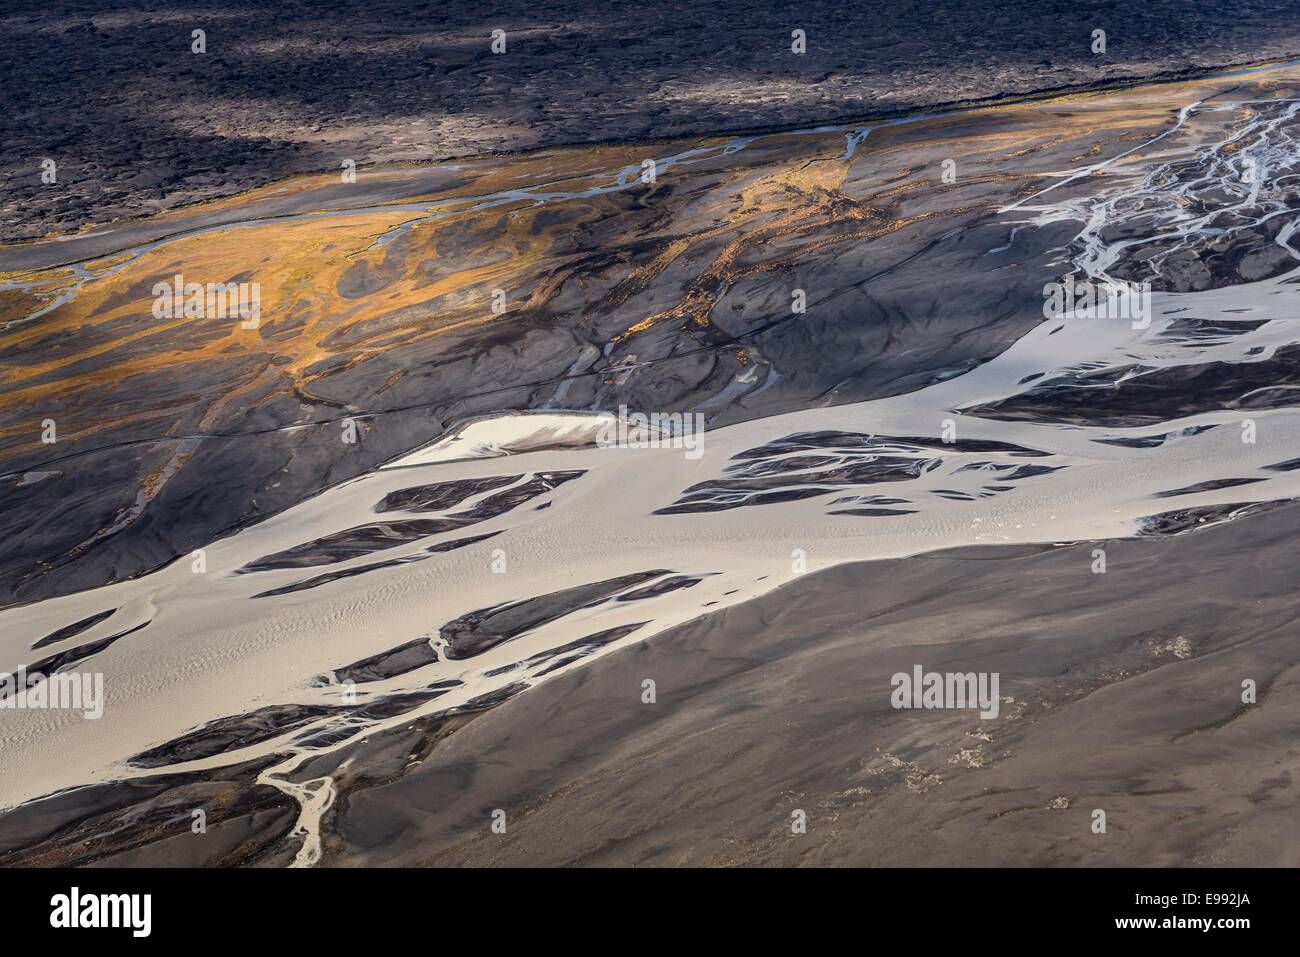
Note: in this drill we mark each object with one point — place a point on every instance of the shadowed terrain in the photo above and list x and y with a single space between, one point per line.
136 122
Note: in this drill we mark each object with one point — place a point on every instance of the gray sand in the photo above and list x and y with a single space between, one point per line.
1122 694
138 123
